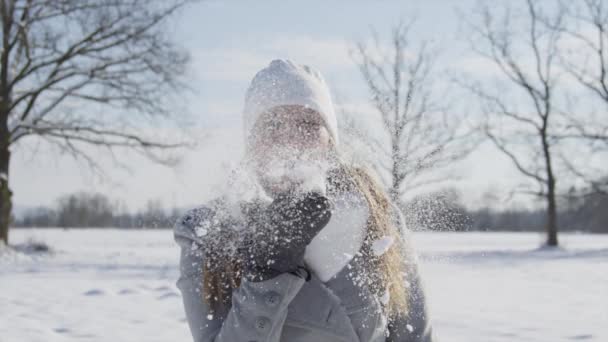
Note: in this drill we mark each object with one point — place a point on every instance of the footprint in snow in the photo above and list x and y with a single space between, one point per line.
167 295
126 291
94 292
581 337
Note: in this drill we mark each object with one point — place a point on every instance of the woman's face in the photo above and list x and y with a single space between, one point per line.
283 139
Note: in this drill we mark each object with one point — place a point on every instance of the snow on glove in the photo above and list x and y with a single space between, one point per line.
281 232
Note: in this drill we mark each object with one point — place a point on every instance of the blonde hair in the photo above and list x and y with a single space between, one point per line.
390 266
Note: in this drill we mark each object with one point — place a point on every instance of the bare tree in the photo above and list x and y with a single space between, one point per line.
587 62
422 135
84 72
521 127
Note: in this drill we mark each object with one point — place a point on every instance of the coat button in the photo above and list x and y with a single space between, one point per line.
272 298
262 324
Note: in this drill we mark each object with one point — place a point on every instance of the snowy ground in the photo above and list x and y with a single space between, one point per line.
113 285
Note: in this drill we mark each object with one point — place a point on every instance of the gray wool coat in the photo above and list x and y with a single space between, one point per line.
289 307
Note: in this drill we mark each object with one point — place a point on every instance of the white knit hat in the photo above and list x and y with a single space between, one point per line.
286 83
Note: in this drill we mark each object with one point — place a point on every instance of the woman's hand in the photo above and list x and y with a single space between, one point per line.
278 239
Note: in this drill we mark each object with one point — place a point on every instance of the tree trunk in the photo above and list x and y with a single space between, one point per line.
551 224
5 191
551 227
395 190
5 157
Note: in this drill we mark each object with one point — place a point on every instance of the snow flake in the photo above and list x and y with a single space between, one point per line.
380 246
385 297
209 317
409 327
202 229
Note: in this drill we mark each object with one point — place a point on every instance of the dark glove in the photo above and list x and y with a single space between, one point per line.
280 233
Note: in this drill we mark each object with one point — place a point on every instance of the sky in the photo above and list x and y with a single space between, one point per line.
229 41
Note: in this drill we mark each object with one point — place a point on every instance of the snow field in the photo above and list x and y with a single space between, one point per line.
119 285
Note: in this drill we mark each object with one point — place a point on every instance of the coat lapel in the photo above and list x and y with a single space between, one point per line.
316 307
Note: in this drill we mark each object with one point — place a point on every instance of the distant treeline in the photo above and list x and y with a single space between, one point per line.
440 211
89 210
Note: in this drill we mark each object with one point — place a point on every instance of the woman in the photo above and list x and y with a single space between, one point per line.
317 253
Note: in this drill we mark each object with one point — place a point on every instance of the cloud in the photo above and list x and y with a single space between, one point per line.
239 64
476 66
326 54
227 64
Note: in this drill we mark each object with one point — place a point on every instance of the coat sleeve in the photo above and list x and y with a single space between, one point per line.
258 309
415 326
